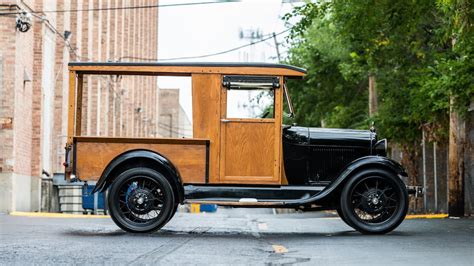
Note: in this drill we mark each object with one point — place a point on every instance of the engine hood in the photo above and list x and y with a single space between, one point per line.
330 136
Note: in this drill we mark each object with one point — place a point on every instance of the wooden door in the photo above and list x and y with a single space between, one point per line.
250 144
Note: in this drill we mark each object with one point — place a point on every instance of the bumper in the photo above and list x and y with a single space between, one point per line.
417 191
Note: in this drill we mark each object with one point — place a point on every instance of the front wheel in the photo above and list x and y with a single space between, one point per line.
141 200
374 201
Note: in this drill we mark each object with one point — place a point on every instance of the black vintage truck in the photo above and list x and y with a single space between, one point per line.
243 158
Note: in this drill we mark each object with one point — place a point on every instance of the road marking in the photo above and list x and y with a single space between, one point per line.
279 249
427 216
55 215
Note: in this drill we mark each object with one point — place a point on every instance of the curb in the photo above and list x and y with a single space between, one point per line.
426 216
55 215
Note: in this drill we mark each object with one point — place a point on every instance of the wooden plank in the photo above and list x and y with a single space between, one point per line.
206 116
79 105
188 70
223 107
178 141
72 106
93 157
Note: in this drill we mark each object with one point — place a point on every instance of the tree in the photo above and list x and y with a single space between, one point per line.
406 45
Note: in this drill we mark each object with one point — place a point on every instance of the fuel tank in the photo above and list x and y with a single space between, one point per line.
318 155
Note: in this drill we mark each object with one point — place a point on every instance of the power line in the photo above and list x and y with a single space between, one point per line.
206 55
127 7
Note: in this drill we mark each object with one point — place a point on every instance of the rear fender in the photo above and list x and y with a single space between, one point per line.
141 158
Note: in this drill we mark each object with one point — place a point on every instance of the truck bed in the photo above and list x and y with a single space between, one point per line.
189 156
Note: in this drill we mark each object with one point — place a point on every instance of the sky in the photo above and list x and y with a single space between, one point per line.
188 31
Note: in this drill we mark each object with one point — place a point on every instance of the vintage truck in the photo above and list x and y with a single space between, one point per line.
239 160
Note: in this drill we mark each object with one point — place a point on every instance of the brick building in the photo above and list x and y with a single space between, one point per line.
33 85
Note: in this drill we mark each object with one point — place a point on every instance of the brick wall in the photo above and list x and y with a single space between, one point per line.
113 106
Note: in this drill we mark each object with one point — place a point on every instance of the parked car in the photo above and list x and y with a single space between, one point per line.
237 157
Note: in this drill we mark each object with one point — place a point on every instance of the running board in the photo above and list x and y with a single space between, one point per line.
249 196
237 203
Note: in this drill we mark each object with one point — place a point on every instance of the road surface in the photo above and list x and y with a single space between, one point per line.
237 236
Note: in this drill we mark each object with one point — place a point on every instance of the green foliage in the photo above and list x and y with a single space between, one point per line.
421 53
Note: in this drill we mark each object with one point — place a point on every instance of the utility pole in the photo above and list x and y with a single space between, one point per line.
276 47
373 104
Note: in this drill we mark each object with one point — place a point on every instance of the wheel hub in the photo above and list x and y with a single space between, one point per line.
139 201
374 201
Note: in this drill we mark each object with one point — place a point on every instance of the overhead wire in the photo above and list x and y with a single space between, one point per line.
206 55
127 7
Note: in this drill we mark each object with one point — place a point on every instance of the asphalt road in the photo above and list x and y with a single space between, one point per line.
239 236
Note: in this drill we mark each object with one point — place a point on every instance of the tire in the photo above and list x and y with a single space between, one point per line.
141 200
374 201
175 209
341 215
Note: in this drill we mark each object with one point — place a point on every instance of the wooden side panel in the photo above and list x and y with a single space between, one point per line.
93 157
206 116
249 153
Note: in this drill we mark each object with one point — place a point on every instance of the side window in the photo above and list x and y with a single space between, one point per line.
250 96
256 103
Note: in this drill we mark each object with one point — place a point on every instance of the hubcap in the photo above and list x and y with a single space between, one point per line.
374 199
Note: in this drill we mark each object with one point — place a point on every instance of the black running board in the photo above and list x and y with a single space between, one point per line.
249 196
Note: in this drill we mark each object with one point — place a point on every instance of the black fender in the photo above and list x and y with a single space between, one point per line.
372 161
141 158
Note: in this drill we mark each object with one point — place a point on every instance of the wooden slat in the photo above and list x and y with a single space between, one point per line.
178 141
79 104
72 106
278 132
206 116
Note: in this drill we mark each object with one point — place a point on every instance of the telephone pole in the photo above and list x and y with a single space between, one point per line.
373 104
276 47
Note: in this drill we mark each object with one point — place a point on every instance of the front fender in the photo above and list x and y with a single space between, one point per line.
355 166
144 158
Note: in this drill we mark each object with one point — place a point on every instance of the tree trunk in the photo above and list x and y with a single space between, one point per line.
457 141
373 104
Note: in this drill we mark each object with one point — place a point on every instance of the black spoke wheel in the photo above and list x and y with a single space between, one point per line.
141 200
374 201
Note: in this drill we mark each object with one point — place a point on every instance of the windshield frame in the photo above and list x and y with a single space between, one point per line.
288 101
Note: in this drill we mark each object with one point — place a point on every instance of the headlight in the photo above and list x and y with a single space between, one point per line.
381 147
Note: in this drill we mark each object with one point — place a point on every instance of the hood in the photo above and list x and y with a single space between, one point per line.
331 136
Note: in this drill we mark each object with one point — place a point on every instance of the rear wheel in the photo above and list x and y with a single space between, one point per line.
374 202
141 200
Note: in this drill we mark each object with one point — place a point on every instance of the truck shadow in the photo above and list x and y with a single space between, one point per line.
203 232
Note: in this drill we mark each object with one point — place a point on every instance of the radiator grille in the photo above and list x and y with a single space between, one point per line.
328 162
